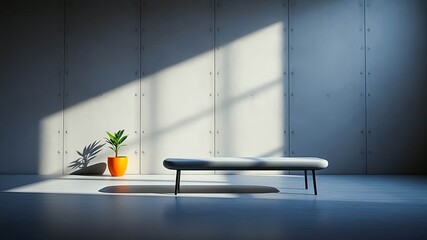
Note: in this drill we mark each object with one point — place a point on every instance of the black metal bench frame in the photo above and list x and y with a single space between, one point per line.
313 172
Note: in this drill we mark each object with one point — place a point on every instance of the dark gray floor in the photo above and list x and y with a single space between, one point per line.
347 207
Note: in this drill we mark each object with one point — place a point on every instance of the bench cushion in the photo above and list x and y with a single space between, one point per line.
246 163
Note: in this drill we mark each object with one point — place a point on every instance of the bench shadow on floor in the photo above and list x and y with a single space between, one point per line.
252 189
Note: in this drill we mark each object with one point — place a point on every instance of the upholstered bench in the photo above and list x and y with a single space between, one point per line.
246 163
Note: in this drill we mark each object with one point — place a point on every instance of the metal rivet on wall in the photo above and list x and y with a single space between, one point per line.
59 151
361 132
136 152
217 131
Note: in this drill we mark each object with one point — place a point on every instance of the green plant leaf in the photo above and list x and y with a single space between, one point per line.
112 137
123 139
119 134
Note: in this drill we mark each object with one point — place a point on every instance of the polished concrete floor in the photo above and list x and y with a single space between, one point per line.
213 207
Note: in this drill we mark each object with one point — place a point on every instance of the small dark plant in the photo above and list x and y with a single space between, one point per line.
116 140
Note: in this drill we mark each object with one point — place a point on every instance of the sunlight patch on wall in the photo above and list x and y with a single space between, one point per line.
86 123
50 144
251 106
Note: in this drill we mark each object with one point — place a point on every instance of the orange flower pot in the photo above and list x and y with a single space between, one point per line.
117 165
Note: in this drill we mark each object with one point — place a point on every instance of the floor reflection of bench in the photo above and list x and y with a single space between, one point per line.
246 163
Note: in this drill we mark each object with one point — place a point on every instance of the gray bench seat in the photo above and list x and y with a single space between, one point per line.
246 163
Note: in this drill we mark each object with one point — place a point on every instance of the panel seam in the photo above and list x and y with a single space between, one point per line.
63 84
366 87
140 90
214 80
288 91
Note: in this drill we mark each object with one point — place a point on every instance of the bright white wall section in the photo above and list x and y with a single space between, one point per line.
250 83
102 77
177 83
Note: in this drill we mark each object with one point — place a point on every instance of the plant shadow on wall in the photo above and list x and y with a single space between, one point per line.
81 165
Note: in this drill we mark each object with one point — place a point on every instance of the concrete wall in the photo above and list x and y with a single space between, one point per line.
343 80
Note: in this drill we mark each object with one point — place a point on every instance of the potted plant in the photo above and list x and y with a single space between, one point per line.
117 164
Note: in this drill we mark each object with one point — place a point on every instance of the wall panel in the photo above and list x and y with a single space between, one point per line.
397 86
250 62
327 106
177 84
31 53
102 77
214 78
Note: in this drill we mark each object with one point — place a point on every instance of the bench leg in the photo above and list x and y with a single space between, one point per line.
314 182
305 178
177 181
